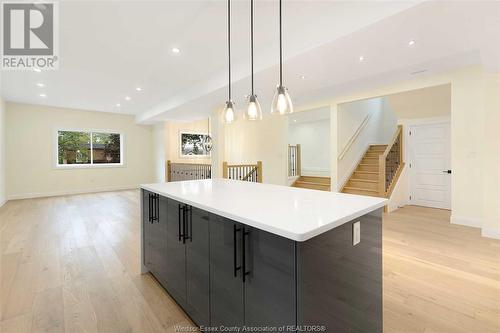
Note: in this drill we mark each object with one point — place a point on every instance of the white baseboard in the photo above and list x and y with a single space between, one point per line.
491 233
72 192
2 203
466 221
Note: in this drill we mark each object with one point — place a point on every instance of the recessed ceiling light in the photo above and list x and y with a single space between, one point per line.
118 105
411 42
41 85
361 58
295 120
138 89
302 77
127 98
42 95
38 70
176 50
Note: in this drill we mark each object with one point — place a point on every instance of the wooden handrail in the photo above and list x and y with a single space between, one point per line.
250 174
354 136
187 171
394 139
387 176
245 172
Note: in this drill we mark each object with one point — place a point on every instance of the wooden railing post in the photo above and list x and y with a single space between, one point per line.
259 171
299 166
168 169
224 170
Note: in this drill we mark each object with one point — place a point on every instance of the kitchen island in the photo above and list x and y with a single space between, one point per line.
264 257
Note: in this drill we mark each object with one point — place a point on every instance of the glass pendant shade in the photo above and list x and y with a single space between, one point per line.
253 112
282 103
228 114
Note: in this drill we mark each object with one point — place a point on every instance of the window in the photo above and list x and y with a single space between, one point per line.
87 148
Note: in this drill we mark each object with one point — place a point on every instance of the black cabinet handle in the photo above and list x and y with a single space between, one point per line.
181 215
154 207
189 223
244 256
158 208
150 210
184 224
235 251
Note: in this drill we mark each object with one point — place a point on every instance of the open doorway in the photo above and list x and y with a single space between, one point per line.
309 149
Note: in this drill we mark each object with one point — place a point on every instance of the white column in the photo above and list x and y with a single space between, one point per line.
218 135
159 144
334 174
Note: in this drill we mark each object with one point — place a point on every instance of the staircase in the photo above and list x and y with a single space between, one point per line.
313 183
365 179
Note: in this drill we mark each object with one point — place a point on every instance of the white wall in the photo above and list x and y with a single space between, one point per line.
159 151
2 153
248 142
379 129
172 141
491 165
314 139
428 102
31 147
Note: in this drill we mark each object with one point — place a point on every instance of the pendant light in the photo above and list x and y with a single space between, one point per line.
253 112
228 114
207 142
282 103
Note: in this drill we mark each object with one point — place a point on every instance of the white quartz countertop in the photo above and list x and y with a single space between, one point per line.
294 213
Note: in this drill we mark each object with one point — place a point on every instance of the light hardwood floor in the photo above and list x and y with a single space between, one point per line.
71 264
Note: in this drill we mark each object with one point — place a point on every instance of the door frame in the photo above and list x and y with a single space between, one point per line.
412 123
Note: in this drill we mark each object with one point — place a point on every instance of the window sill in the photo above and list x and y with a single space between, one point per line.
88 166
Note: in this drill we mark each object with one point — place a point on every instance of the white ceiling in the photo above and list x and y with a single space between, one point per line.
110 47
318 114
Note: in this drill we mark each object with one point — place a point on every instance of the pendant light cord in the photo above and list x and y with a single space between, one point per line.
229 43
251 39
281 49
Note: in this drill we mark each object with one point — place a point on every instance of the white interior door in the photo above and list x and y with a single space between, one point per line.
430 170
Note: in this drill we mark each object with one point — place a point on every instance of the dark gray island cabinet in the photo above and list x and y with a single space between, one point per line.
225 270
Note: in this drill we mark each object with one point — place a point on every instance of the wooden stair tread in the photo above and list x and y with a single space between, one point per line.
310 183
369 172
359 189
313 183
363 180
315 179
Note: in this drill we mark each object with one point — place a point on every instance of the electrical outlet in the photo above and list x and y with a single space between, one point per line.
356 233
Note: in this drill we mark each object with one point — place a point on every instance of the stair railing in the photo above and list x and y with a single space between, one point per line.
244 172
354 136
391 164
187 171
294 160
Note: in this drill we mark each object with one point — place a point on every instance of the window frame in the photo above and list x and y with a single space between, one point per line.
91 165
